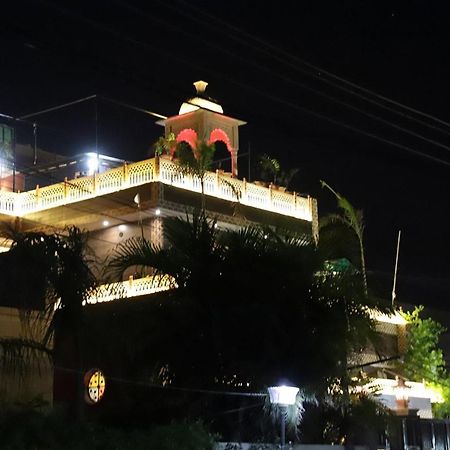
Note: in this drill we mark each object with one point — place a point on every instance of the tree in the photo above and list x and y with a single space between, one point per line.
252 307
195 162
270 167
353 219
424 359
271 171
58 278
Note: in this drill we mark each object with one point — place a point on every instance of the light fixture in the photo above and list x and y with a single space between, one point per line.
105 223
92 164
283 396
158 212
122 227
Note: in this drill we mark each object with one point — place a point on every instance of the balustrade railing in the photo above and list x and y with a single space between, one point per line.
130 288
165 171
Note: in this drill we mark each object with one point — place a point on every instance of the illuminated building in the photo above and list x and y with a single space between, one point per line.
115 200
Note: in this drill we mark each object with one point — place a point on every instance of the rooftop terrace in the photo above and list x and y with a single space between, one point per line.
160 170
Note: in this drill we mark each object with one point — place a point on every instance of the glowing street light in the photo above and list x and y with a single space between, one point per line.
92 164
283 396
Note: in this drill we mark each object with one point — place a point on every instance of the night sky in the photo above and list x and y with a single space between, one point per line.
259 61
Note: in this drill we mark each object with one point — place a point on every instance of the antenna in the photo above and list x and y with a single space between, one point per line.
396 266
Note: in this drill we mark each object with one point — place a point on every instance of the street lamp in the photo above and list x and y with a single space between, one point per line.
283 396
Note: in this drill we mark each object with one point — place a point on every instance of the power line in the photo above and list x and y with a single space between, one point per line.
265 94
288 79
315 68
259 92
58 107
135 108
168 387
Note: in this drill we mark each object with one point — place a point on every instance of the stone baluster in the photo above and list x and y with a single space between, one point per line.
66 188
156 169
126 175
38 196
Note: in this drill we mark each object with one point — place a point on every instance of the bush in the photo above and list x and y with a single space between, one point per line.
32 430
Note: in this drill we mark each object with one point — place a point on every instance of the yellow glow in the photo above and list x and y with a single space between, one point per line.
20 204
385 386
131 288
95 384
196 103
396 318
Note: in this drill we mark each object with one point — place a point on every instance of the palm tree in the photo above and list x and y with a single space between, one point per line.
252 306
270 167
49 273
275 279
196 162
353 219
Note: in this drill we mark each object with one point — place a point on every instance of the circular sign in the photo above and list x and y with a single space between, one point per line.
94 381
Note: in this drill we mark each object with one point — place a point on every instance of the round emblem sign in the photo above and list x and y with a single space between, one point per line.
94 381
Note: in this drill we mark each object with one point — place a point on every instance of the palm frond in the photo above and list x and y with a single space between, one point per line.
135 251
19 355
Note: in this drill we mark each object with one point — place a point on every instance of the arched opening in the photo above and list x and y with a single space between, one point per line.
222 156
189 136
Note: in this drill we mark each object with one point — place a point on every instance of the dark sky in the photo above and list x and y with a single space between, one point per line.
253 55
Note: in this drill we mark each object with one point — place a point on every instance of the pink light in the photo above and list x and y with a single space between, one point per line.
220 135
188 135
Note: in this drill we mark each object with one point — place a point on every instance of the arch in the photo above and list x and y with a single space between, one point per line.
188 135
222 158
220 135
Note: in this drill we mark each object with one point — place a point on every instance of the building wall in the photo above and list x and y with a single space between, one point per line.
36 380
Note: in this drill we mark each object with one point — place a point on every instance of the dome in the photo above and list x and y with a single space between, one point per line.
201 100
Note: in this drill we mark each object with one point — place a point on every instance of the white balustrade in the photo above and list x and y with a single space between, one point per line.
165 171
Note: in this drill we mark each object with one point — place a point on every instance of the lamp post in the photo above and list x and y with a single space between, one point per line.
283 396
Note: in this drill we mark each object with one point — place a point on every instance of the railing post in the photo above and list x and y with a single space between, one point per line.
217 186
294 200
130 285
38 196
156 169
270 195
65 188
95 182
244 190
126 175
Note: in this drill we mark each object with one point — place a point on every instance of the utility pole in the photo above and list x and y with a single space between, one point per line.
396 267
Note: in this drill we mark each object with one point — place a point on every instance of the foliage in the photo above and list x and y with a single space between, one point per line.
195 162
424 360
165 145
252 306
285 177
58 279
335 421
351 218
28 429
57 268
294 414
270 167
